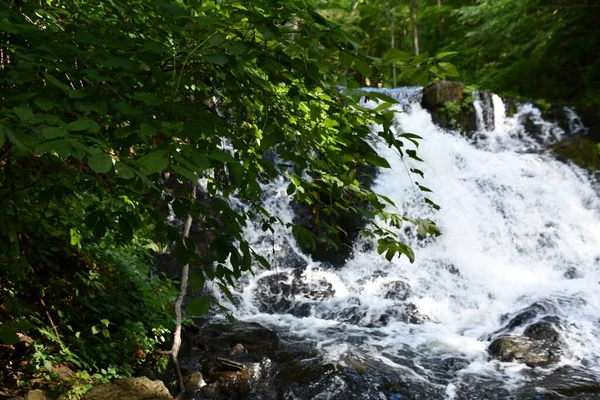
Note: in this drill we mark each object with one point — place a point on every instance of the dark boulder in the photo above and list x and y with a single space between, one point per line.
412 315
538 345
580 149
533 353
526 315
220 339
292 294
396 290
450 106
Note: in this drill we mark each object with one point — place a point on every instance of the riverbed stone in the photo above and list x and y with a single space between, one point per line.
140 388
533 353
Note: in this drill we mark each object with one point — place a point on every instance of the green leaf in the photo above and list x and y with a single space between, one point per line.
54 132
448 69
147 98
395 55
216 58
8 335
196 279
154 162
377 161
363 67
83 124
445 54
56 82
59 146
45 104
100 163
198 307
346 58
123 171
23 141
24 114
2 136
185 172
226 291
217 39
221 155
420 76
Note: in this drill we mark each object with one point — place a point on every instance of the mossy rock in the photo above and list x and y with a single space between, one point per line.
140 388
533 353
450 105
580 150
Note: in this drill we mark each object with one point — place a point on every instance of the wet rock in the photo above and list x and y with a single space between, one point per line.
227 385
534 353
238 349
350 223
581 150
218 339
413 316
436 94
540 343
292 294
273 294
193 382
527 315
543 330
140 388
450 106
572 273
397 290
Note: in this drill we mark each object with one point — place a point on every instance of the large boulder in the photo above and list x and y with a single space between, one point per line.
579 149
533 353
291 293
530 337
140 388
450 106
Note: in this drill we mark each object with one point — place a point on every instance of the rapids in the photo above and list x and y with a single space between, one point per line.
519 228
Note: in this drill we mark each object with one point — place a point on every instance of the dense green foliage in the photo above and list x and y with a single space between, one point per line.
101 101
530 48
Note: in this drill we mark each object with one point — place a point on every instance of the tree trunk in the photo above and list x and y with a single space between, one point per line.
179 302
413 18
393 44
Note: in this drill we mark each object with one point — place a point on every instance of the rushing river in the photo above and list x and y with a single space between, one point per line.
520 231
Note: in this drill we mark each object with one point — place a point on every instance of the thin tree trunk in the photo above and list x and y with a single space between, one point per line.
179 302
393 45
413 18
441 20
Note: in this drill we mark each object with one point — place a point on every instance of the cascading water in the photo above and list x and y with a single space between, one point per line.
520 248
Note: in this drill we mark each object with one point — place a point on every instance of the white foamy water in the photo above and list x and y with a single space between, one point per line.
518 228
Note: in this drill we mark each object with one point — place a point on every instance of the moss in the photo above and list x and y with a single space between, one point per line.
580 150
458 114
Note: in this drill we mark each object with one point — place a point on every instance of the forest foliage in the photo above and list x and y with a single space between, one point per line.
530 48
111 110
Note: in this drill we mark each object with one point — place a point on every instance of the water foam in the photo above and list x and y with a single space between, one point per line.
515 226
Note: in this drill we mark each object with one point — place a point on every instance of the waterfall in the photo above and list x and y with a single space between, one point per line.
520 239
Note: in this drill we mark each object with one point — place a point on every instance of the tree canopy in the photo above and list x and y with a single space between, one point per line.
112 110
